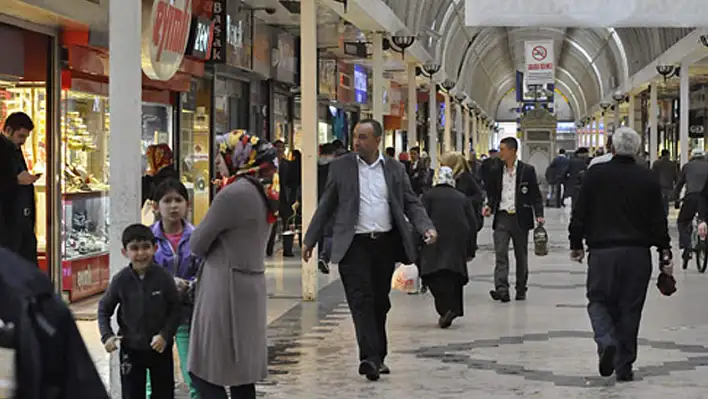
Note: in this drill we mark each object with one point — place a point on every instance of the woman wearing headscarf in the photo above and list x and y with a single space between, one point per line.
466 183
443 265
228 345
160 162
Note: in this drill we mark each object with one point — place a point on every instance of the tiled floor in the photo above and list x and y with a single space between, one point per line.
541 348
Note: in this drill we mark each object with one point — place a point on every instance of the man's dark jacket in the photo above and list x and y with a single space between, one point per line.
10 205
340 203
607 217
529 201
555 174
573 179
52 359
667 171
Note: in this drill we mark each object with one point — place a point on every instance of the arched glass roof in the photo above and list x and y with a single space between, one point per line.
590 63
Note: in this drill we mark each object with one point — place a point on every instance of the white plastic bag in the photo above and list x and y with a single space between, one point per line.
147 213
405 278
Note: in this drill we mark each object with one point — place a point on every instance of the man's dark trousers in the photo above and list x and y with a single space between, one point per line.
26 239
617 283
507 229
684 221
366 271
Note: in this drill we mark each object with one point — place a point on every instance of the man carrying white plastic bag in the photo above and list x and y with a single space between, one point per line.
405 279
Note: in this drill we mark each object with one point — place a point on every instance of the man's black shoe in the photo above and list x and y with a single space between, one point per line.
288 255
607 361
625 377
500 296
323 266
445 321
521 296
369 369
383 369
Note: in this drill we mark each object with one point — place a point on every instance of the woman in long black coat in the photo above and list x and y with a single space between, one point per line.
443 265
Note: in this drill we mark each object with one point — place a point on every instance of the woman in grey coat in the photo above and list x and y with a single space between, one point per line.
228 346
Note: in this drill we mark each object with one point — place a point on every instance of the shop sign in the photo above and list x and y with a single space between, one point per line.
327 78
540 62
283 58
361 92
200 38
219 20
239 35
165 36
262 48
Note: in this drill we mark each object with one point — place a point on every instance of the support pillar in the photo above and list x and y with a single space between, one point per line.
125 32
413 136
603 134
616 119
684 107
593 143
475 136
466 143
308 111
459 130
433 125
378 81
631 111
447 135
653 122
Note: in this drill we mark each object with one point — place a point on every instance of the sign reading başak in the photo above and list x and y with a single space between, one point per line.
165 36
540 67
587 14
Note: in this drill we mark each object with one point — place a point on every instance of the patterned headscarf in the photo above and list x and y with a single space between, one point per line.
158 157
445 176
245 155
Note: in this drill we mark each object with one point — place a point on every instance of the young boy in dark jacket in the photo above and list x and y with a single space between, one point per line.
148 317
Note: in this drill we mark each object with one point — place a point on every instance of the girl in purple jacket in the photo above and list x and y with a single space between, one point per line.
173 232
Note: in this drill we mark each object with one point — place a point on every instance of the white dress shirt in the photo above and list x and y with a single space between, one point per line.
374 210
508 192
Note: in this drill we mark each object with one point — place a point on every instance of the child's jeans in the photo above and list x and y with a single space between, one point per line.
134 365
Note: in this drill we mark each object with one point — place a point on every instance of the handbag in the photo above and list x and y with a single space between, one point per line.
540 241
147 213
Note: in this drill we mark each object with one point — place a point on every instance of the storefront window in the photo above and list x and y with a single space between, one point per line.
194 146
157 127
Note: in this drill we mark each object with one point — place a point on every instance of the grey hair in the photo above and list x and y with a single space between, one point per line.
626 141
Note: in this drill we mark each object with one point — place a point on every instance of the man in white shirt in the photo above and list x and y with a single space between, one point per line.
514 198
371 203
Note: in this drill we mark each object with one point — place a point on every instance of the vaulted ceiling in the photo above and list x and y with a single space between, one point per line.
590 63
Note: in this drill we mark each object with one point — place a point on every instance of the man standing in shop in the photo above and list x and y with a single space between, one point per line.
17 203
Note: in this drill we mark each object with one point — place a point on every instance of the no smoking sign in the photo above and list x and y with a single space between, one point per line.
539 53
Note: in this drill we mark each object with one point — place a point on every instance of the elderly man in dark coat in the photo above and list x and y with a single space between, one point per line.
443 265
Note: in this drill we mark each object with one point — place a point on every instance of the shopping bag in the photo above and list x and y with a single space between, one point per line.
404 278
147 213
540 241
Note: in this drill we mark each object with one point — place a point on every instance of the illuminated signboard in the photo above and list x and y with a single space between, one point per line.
361 83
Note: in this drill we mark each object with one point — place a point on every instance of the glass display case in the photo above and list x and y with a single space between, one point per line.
194 144
85 127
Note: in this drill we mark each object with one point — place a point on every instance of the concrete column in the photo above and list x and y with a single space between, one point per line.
631 112
466 143
460 130
684 104
413 136
125 33
475 136
653 122
433 125
603 133
596 139
447 136
378 81
616 118
308 111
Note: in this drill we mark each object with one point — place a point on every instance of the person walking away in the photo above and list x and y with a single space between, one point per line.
667 172
17 200
573 178
555 176
514 198
285 211
371 202
443 265
619 231
173 233
466 183
148 315
160 167
39 341
228 339
693 176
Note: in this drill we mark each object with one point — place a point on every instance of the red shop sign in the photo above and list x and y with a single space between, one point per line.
165 36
